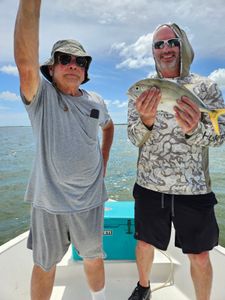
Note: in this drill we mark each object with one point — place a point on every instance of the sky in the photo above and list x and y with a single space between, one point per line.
118 35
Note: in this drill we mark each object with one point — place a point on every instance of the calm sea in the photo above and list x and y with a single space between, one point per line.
16 155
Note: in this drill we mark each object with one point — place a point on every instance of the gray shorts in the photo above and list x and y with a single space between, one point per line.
51 235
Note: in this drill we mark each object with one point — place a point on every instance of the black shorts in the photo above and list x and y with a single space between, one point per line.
193 217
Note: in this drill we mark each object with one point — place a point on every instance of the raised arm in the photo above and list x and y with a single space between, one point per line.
26 44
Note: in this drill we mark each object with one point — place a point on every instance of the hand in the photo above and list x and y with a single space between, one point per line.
187 114
146 105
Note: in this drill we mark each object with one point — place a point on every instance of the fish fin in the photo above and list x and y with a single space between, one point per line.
214 115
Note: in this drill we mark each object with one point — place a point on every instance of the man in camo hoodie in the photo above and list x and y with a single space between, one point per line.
173 183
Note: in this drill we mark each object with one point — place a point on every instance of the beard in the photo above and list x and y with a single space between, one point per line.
172 67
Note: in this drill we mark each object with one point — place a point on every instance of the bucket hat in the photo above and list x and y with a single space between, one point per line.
72 47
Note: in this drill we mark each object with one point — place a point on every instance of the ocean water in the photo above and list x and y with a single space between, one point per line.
16 156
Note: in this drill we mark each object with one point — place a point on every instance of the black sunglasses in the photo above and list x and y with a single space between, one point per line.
65 59
171 43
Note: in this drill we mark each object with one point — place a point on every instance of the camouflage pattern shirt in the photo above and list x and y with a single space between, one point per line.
170 161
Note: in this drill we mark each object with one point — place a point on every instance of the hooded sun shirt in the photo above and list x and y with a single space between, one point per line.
170 161
186 51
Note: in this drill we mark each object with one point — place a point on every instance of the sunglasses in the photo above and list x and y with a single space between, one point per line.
175 42
65 59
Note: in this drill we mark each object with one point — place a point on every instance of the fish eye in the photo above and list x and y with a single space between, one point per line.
137 88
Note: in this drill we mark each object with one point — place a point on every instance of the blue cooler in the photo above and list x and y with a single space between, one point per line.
118 240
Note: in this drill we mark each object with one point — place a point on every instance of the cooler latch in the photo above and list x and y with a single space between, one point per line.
129 231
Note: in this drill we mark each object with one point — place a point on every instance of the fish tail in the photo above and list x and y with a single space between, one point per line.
214 115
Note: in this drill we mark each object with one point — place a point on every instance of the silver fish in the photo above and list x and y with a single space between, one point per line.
170 92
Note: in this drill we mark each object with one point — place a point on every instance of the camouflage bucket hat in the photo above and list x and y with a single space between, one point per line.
66 46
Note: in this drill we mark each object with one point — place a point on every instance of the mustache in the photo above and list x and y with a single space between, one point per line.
167 53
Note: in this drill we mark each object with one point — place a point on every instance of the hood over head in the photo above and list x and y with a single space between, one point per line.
186 50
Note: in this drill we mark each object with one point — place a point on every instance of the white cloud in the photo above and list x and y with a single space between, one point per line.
9 96
103 11
107 102
9 69
123 104
115 103
136 55
219 77
150 74
136 63
100 23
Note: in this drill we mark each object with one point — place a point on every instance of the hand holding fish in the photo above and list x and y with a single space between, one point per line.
149 99
187 114
147 104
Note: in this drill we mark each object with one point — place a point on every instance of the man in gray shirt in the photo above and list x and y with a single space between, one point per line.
66 186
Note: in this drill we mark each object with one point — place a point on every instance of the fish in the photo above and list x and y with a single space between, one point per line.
170 92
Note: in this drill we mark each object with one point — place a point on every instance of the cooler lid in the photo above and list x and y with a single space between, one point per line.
119 210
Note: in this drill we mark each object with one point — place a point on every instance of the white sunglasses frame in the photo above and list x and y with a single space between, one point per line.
165 42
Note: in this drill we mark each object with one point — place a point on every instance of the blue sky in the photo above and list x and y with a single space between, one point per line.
118 35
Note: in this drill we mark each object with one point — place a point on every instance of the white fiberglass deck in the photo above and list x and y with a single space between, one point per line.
121 276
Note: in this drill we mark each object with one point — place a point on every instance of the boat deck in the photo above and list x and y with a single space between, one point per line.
121 276
70 283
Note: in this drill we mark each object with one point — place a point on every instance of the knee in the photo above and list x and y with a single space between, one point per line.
200 260
94 262
144 246
41 270
41 274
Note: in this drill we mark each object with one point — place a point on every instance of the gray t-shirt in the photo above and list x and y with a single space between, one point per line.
67 174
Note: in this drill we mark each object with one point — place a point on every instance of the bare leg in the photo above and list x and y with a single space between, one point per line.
144 259
201 273
42 283
95 273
